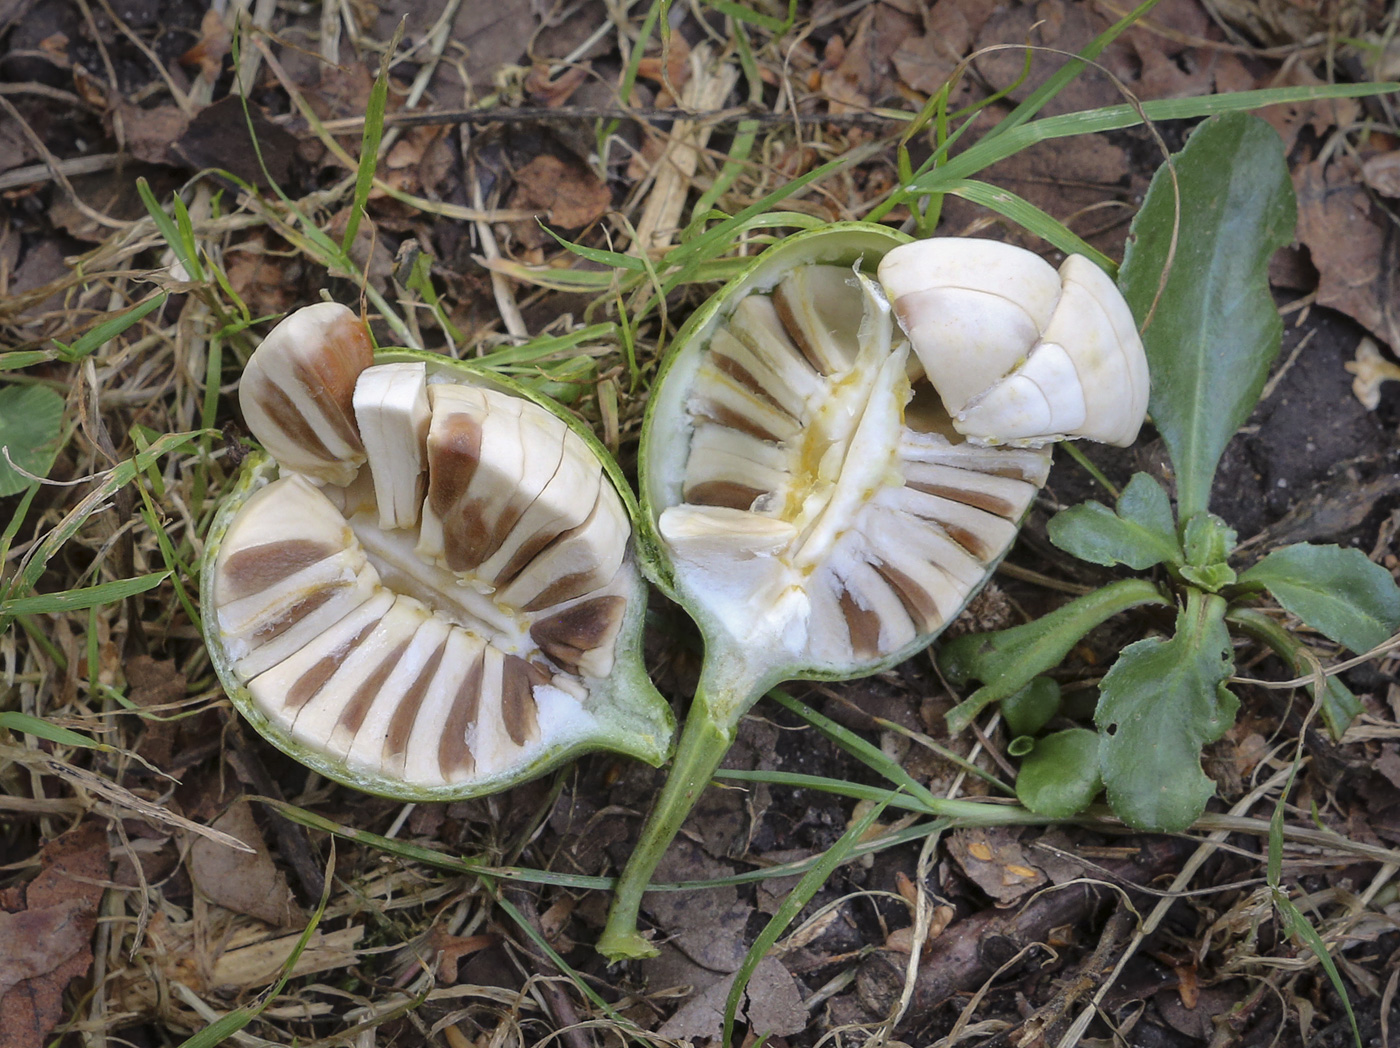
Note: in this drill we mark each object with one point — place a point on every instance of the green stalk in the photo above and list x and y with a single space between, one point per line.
721 699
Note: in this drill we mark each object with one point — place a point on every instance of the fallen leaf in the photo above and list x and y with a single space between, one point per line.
213 47
267 279
1352 245
245 882
219 137
155 683
149 132
47 943
862 77
449 950
554 91
1382 173
772 1006
925 61
1371 369
994 861
708 924
1319 114
1052 24
569 193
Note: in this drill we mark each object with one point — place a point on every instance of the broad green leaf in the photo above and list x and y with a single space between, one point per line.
1060 778
1142 533
31 424
1207 540
1159 704
1008 659
1338 592
1031 708
1215 329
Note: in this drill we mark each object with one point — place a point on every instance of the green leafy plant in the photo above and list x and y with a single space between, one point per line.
1196 273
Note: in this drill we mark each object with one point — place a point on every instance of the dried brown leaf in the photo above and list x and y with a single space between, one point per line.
569 193
245 882
1352 245
994 861
49 938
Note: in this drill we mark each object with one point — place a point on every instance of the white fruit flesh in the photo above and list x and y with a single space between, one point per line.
437 617
823 524
297 392
1019 353
391 407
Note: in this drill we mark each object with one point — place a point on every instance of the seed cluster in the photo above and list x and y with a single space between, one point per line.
433 610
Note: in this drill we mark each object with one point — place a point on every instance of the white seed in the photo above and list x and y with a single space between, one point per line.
391 407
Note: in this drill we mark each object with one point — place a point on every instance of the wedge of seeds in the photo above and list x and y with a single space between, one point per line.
837 456
442 607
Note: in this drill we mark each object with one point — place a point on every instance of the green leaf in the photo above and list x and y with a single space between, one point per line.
1008 659
1339 706
1207 540
1159 704
1338 592
1031 708
42 729
1215 329
1060 778
78 599
1301 930
31 424
99 336
1142 533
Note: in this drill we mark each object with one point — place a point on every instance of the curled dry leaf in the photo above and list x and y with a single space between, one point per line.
46 931
243 881
1371 370
431 593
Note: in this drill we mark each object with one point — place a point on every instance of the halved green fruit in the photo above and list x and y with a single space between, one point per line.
446 601
824 494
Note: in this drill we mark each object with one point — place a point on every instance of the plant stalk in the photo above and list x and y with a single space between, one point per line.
710 727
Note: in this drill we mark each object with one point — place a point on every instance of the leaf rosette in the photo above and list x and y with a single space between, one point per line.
428 588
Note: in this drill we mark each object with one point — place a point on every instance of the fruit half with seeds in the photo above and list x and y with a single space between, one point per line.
841 448
428 589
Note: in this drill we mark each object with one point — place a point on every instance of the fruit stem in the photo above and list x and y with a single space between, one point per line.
721 699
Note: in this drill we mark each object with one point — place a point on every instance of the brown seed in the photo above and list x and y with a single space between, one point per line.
454 452
310 682
568 635
401 723
329 376
454 756
365 693
725 493
979 499
864 626
518 712
257 568
269 631
916 600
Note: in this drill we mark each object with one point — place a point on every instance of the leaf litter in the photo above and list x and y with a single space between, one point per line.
197 928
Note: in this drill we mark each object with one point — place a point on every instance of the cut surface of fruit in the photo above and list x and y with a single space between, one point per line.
458 608
825 524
